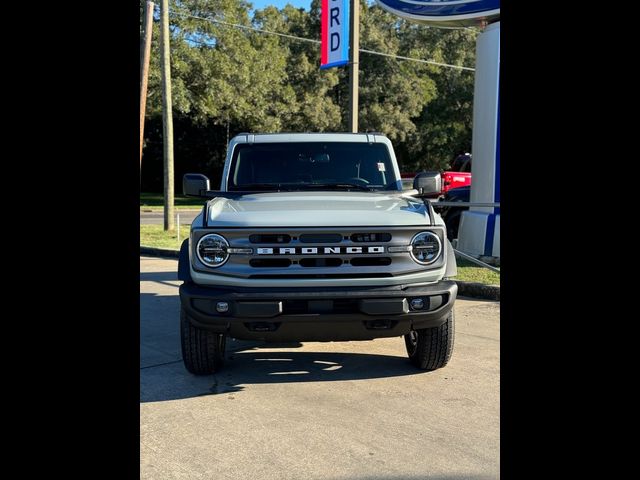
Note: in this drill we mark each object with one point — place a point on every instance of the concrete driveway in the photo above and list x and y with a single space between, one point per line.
349 410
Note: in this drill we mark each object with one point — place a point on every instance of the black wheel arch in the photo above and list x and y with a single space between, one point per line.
184 272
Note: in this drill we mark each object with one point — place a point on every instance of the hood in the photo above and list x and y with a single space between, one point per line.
318 209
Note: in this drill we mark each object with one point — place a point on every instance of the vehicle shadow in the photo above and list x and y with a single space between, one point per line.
163 376
160 277
253 365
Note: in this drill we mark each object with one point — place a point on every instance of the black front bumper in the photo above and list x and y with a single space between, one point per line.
304 314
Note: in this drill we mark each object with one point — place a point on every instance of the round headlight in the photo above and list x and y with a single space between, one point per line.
426 248
212 250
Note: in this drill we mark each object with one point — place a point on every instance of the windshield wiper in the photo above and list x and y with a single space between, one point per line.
288 187
340 185
247 187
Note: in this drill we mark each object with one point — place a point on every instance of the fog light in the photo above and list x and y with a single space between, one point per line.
417 304
222 307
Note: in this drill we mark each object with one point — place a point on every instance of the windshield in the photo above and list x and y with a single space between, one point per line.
312 166
462 163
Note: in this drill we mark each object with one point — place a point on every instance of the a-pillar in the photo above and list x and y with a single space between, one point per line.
479 231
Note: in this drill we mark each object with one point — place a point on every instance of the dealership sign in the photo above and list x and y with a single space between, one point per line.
462 12
334 33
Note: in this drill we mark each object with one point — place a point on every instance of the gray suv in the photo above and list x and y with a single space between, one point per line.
311 238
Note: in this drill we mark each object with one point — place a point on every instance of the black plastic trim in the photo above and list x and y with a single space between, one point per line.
320 238
278 276
386 237
205 215
270 262
320 262
184 272
371 261
374 303
258 238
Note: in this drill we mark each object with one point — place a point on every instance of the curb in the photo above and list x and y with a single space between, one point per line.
465 289
478 290
177 210
159 252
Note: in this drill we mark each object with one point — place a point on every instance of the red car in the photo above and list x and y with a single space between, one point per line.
458 176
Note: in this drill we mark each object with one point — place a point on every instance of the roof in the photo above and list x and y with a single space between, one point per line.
370 137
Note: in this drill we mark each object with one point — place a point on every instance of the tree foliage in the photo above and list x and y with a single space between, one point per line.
227 80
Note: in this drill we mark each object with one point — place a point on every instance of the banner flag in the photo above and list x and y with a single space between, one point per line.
334 44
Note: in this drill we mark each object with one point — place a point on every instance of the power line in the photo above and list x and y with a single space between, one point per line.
310 40
292 37
431 62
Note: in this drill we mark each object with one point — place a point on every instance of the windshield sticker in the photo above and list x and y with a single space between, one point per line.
381 167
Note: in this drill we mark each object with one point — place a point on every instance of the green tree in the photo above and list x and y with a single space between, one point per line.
392 92
228 79
309 90
444 125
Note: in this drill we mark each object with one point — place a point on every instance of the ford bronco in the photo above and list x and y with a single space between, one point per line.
311 238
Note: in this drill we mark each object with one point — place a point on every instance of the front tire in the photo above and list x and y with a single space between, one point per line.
431 348
202 350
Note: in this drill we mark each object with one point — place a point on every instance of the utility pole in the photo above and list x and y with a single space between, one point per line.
354 59
167 117
144 69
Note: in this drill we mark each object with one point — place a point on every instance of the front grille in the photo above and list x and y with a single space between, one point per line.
296 251
320 262
370 262
320 252
371 237
331 250
270 262
321 238
270 238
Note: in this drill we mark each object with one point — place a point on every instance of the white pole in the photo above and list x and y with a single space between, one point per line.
178 222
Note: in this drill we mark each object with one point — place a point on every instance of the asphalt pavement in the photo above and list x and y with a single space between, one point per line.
338 411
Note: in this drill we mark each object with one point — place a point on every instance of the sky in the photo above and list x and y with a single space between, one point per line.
260 4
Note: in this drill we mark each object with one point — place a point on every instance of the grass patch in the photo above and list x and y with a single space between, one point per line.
155 201
155 236
470 272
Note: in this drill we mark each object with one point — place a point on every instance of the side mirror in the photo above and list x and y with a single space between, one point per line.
428 183
195 185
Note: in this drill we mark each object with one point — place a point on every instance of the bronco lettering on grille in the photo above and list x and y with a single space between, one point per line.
317 250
